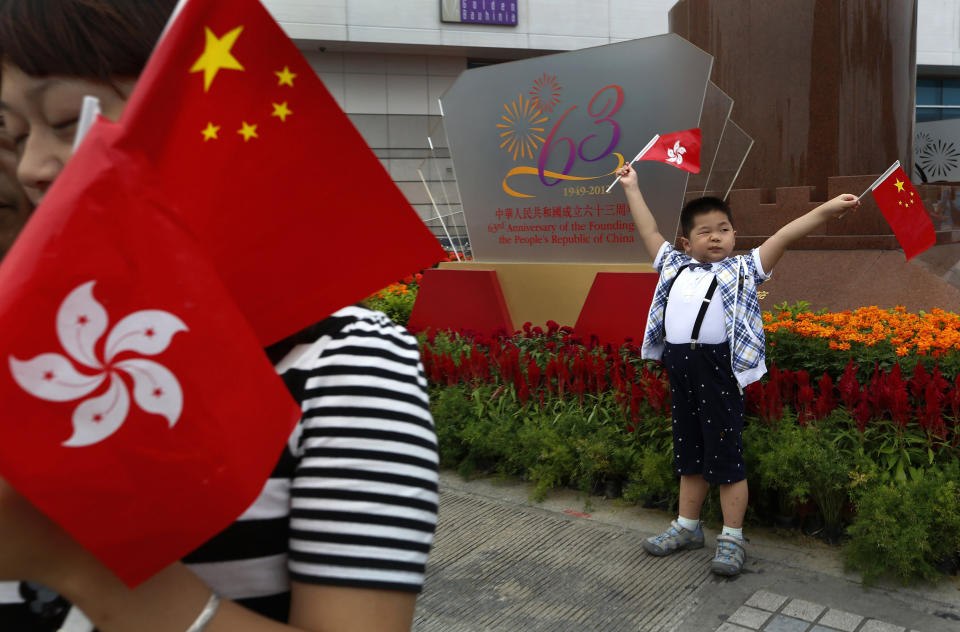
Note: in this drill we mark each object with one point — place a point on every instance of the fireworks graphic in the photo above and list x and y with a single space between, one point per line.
921 141
938 158
521 127
545 92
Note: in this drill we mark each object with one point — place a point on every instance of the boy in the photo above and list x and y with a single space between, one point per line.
711 349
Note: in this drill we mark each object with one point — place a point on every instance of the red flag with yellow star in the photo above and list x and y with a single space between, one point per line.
904 211
271 176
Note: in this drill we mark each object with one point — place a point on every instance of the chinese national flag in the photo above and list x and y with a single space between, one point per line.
680 149
139 410
298 215
904 211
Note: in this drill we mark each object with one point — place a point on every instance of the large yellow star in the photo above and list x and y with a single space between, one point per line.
281 111
210 131
899 185
217 55
285 76
248 131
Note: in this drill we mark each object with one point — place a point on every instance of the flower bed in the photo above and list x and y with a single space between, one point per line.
853 435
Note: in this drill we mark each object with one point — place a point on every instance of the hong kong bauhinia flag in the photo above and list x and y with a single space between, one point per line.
298 214
900 204
232 205
139 410
679 149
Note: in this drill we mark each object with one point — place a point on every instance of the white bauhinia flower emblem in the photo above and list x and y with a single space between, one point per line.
81 321
676 154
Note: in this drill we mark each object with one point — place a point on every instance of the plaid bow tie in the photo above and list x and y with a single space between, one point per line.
705 266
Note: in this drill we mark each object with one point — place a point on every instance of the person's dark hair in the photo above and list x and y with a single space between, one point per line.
699 206
96 40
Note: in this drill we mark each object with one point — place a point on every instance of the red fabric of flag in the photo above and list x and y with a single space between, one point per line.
245 141
680 149
140 411
900 204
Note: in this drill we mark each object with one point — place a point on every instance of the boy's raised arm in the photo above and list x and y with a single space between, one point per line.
642 217
773 248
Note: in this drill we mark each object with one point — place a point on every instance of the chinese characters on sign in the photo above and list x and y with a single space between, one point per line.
563 225
500 12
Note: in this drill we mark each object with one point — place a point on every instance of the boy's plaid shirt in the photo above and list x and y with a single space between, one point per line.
737 280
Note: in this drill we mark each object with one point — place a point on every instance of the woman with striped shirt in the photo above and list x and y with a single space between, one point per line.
339 536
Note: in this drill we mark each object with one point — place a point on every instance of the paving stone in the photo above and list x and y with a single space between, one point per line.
749 617
820 628
764 600
872 625
781 623
806 610
841 620
729 627
499 566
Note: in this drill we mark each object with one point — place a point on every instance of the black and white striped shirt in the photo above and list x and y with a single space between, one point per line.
353 499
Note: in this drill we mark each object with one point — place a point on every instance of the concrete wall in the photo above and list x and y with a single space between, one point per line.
938 33
542 24
392 99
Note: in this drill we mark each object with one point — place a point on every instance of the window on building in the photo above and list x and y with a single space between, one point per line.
938 99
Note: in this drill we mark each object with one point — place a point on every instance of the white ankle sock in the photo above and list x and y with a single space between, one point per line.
731 531
688 524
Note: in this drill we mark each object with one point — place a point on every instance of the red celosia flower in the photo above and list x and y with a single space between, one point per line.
773 402
862 412
849 387
753 398
918 383
533 374
523 391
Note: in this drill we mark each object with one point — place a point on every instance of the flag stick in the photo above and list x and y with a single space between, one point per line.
655 138
883 177
890 169
88 116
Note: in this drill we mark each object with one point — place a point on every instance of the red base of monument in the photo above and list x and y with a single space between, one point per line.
616 307
461 300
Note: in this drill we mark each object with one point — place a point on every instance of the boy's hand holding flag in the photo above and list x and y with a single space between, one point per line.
679 149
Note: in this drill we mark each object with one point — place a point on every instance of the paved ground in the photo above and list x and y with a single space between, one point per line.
502 562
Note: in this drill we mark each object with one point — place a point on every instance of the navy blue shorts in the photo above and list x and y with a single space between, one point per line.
707 412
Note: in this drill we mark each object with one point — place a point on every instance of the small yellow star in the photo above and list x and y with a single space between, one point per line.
900 202
898 184
286 77
216 55
210 132
248 131
282 111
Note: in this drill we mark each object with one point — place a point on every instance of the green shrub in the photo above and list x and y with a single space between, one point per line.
396 306
654 484
779 463
451 413
904 529
826 473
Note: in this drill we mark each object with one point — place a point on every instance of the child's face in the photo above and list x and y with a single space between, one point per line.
40 115
711 238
